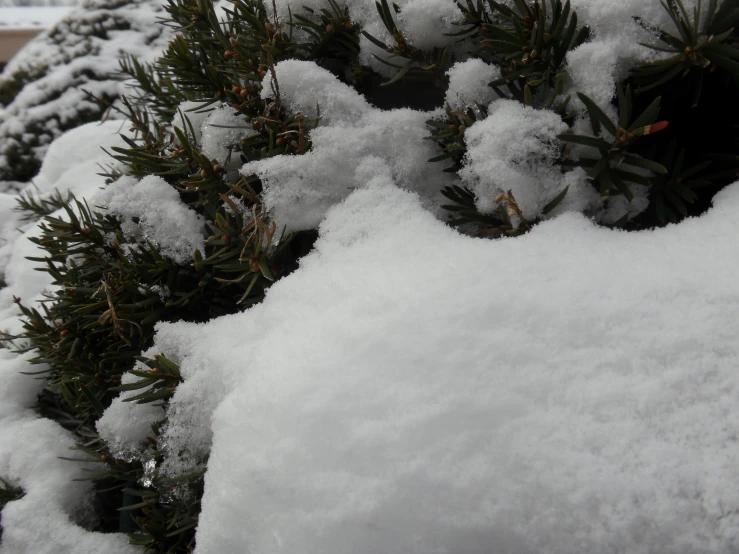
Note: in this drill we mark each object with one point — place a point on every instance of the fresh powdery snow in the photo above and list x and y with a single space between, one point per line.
162 219
299 189
408 389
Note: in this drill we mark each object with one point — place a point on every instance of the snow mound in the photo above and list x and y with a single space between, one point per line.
409 389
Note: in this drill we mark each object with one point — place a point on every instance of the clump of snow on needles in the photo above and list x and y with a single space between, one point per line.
221 131
306 88
161 216
299 189
468 84
513 148
428 24
614 47
410 389
125 425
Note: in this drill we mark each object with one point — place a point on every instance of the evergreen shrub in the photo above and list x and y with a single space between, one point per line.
43 87
114 285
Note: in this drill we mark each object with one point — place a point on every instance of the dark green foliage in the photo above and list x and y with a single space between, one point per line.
673 191
412 61
35 207
700 45
111 294
530 43
464 213
615 165
448 133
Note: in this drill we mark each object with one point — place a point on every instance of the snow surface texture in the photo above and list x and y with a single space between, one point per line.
81 52
299 189
125 425
572 390
47 519
163 219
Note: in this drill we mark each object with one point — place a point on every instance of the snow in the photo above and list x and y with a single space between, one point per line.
50 518
45 520
31 17
161 217
468 84
307 88
409 389
299 189
221 131
37 3
427 24
84 144
571 390
513 149
125 425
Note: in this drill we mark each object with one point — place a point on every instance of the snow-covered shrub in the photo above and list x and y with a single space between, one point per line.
486 115
44 88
